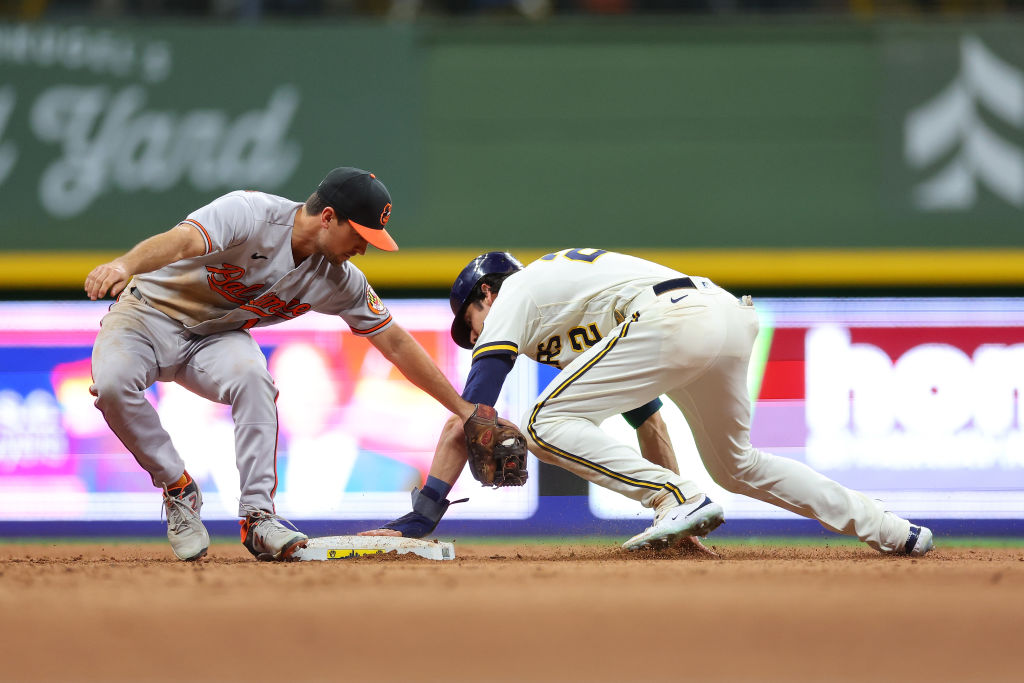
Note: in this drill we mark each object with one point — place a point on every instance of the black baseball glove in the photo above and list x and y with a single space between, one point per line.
497 452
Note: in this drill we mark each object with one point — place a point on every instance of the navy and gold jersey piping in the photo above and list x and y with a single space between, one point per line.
496 348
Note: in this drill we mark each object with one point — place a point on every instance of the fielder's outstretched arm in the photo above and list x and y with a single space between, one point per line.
180 242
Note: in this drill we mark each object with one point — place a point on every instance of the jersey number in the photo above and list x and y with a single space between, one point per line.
584 255
580 337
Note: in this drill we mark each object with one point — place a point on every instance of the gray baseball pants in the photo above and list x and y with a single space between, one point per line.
138 345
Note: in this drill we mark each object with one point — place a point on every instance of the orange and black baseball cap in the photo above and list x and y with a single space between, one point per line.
357 195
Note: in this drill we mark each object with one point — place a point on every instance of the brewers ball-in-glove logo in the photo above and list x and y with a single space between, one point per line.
374 303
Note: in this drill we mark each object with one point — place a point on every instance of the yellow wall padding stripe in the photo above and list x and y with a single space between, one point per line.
437 268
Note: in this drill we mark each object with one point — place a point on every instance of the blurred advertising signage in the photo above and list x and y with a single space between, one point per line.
354 438
902 399
918 402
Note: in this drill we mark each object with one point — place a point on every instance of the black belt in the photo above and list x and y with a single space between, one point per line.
134 291
669 285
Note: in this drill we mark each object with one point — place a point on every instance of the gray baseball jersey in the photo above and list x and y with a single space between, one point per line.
187 323
248 277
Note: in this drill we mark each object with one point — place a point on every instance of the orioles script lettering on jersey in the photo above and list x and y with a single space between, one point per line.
226 280
271 304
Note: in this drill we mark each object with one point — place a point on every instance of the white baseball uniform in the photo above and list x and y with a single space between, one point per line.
187 323
625 331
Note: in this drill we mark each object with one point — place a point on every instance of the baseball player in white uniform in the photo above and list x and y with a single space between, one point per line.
625 331
187 298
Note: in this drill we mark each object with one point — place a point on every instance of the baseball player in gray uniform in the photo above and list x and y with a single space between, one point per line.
625 331
186 300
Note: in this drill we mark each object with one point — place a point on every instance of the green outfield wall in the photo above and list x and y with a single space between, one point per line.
782 154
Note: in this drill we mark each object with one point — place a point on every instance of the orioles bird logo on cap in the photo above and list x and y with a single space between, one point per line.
385 215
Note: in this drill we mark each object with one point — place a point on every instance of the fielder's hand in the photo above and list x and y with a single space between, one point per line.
111 276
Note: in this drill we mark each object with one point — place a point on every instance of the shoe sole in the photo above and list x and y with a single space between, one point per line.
198 556
286 554
712 516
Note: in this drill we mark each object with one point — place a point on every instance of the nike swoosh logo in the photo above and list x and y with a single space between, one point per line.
679 299
256 255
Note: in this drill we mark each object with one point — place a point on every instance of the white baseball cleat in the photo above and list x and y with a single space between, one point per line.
267 539
185 530
696 518
918 542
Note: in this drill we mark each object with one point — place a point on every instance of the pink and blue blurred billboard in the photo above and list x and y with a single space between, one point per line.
919 402
354 438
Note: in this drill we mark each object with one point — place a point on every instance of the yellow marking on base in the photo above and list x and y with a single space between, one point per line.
341 553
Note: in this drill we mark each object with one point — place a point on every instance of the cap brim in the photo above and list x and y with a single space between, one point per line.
377 237
460 330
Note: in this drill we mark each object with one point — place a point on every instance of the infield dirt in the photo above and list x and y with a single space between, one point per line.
81 612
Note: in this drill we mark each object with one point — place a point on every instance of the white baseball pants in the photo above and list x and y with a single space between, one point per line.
696 351
138 345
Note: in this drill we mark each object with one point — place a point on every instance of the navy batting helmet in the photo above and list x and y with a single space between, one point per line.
493 262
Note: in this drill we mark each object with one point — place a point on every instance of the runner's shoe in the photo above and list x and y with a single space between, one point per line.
919 542
698 517
916 542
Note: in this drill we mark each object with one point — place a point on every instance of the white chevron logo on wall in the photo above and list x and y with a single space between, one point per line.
952 119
